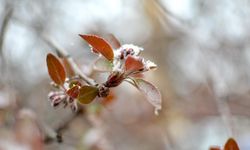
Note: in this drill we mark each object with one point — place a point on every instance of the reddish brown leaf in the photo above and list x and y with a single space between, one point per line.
231 144
100 45
133 63
87 94
73 92
55 69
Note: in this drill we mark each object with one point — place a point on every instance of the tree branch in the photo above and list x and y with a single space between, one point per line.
4 27
56 134
63 54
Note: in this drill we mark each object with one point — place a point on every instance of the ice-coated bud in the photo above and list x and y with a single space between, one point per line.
114 79
127 49
149 65
73 107
51 95
103 91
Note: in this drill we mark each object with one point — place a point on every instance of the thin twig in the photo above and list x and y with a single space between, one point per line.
223 109
56 135
4 27
63 54
168 14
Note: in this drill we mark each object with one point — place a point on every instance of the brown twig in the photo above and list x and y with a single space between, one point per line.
63 54
56 136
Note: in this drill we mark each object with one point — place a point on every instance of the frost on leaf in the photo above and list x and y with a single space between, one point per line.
150 65
87 94
231 144
122 63
100 45
151 93
55 69
133 63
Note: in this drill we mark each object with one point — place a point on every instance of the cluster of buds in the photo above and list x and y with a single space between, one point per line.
59 97
65 96
127 63
122 62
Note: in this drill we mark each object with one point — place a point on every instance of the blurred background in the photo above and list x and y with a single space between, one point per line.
203 54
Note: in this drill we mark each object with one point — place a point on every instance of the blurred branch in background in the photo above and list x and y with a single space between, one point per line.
223 109
56 134
58 131
4 27
63 54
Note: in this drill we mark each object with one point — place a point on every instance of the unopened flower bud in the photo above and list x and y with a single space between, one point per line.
103 91
149 65
126 50
114 79
51 95
73 107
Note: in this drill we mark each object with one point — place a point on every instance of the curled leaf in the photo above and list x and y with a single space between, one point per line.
152 94
102 64
231 144
87 94
133 63
100 45
55 69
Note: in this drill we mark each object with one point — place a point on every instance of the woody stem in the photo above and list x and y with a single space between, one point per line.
63 54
